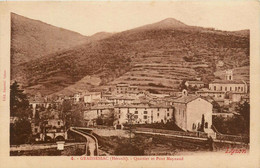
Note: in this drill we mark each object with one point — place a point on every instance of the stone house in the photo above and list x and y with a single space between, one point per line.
189 111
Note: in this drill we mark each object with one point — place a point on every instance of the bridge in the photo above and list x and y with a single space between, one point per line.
92 142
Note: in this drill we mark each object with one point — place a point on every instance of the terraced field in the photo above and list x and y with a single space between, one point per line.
156 57
160 71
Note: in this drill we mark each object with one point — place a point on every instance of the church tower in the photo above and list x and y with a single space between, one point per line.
229 75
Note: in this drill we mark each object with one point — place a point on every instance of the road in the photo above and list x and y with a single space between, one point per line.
92 143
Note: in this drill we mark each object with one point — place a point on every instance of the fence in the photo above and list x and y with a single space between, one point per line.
180 133
102 127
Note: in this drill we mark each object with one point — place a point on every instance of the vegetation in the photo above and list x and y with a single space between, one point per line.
72 114
20 129
19 104
236 125
202 123
112 57
230 125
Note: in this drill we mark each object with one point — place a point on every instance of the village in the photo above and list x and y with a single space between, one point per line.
190 110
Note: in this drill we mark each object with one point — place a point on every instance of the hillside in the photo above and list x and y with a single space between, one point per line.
32 39
154 57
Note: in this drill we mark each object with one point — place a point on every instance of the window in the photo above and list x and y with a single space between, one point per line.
220 87
241 88
168 114
35 129
158 109
238 88
230 88
167 109
136 112
158 114
58 122
225 88
118 116
214 87
145 112
145 117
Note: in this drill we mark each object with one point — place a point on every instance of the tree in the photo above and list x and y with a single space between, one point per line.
65 113
244 111
202 123
77 115
20 130
216 106
111 118
19 104
99 121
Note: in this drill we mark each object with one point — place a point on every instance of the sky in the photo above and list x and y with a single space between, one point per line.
89 18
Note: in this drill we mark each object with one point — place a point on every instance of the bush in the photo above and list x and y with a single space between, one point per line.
235 125
99 121
20 132
153 91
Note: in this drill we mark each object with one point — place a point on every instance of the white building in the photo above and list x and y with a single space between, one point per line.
91 97
189 111
144 114
195 84
227 90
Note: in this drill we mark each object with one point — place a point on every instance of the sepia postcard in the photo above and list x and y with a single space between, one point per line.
130 84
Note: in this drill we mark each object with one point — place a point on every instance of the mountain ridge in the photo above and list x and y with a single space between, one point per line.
155 59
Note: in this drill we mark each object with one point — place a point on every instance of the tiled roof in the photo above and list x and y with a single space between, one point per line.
185 99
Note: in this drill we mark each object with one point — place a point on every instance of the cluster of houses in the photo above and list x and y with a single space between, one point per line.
125 103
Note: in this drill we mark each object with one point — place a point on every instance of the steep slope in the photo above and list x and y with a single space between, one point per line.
31 39
155 57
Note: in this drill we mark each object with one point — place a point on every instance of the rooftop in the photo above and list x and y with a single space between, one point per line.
186 99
